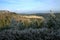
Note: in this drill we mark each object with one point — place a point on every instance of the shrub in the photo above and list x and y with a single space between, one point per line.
52 22
29 34
16 25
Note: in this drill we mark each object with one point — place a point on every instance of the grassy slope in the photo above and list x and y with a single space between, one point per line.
6 17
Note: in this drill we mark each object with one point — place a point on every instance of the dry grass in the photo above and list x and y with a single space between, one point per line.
28 18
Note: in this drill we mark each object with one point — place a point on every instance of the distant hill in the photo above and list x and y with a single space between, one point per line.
46 14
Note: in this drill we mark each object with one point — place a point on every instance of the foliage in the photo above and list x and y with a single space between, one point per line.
21 28
25 24
53 22
4 21
29 34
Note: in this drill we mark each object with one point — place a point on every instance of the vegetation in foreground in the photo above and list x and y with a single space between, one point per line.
17 27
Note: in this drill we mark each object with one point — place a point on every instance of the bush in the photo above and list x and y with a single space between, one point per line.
52 22
29 34
20 25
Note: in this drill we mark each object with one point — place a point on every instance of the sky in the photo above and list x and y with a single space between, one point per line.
30 5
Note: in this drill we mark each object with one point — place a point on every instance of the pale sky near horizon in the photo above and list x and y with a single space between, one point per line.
29 5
